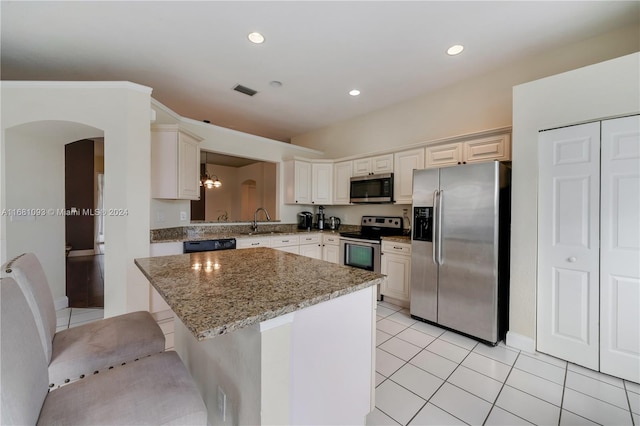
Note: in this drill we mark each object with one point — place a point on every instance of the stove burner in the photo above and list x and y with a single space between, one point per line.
375 227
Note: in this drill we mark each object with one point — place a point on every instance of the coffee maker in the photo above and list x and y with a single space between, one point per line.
320 223
305 220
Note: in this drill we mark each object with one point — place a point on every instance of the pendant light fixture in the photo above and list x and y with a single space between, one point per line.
209 181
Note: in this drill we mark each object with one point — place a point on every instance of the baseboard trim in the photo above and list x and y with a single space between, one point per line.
76 253
521 342
61 303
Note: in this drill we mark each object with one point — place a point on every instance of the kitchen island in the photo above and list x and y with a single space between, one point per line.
272 337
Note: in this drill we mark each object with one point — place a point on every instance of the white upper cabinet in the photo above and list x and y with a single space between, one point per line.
342 182
492 148
175 163
297 181
443 155
373 165
321 183
405 163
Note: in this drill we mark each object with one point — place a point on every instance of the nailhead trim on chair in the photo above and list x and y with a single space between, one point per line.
82 376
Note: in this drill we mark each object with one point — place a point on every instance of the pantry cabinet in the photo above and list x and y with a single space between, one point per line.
175 163
342 182
405 163
491 148
588 245
396 265
373 165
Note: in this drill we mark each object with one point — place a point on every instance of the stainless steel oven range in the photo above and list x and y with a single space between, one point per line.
362 249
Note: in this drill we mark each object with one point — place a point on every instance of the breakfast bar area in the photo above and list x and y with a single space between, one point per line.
272 337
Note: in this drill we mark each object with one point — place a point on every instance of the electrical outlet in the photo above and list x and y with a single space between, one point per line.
222 404
183 215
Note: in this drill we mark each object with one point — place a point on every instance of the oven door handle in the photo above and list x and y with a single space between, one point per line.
359 241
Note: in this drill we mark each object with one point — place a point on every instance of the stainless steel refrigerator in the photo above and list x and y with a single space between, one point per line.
460 248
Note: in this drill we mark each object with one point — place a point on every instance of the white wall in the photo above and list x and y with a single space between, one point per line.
471 106
226 198
230 142
603 90
121 112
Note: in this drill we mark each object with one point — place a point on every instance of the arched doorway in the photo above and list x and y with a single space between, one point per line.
34 173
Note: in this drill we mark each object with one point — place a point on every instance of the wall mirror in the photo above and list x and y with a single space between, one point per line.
241 186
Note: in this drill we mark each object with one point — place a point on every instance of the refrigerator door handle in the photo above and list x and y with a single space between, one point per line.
440 204
433 226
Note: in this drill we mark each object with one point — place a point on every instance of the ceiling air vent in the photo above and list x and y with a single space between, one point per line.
242 89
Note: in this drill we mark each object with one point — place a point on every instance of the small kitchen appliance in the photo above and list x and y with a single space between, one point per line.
362 249
305 220
320 221
371 189
334 223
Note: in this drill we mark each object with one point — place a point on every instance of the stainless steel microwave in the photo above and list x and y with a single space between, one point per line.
372 189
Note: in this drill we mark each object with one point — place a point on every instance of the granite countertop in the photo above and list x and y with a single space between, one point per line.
158 236
217 292
398 239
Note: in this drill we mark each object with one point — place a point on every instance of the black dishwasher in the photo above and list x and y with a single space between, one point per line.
209 245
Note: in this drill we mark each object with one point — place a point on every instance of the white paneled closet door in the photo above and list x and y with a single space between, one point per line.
568 237
620 248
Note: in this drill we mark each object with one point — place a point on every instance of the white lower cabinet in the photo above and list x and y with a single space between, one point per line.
331 248
396 265
243 243
589 245
156 302
288 243
311 245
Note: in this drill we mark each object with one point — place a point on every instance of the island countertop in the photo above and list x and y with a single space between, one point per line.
217 292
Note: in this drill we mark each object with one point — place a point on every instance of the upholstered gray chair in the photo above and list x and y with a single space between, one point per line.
156 390
83 350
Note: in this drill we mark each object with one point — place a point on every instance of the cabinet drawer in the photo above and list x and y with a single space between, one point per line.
285 241
310 239
242 243
398 248
332 240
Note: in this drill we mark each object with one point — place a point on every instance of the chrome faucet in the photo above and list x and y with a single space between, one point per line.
254 226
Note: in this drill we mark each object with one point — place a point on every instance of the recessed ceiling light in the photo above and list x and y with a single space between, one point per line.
275 83
454 50
354 92
256 38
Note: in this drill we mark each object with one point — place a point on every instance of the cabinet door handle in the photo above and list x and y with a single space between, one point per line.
571 259
255 244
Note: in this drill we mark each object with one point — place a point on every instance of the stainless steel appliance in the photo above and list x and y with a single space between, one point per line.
209 245
305 220
372 189
320 218
334 223
362 249
460 248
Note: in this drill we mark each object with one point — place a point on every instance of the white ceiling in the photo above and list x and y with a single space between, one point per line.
193 53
